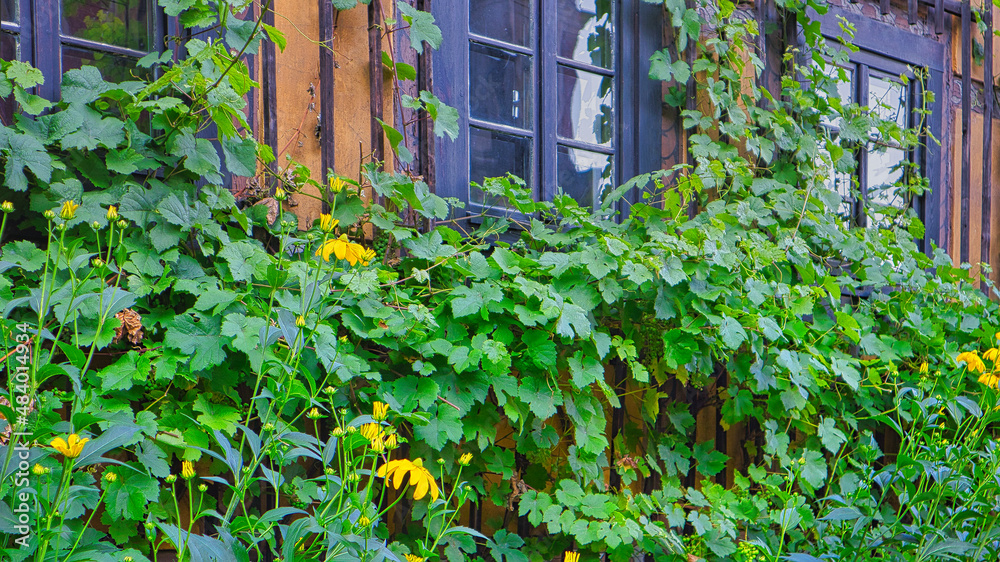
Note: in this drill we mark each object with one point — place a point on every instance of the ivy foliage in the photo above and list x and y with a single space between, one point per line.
515 341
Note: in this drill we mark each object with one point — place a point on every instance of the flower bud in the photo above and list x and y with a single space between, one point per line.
110 477
329 390
187 470
337 184
39 470
329 471
300 322
112 213
202 488
7 207
68 210
122 224
465 459
95 225
170 479
50 214
97 262
338 432
61 226
314 414
327 223
280 195
268 427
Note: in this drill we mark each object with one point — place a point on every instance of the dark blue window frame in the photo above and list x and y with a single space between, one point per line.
637 105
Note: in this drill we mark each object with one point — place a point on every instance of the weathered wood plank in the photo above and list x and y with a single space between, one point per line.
987 154
375 79
966 39
911 11
327 13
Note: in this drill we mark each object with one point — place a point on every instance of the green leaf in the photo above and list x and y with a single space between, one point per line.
710 462
246 260
24 151
422 27
831 437
123 373
23 254
241 155
198 336
216 416
129 494
732 333
573 320
585 370
83 85
814 469
199 155
445 117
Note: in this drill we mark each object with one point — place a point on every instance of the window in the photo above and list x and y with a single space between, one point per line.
551 91
879 180
872 72
109 34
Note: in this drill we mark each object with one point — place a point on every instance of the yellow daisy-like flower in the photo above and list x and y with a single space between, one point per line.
112 213
371 431
923 368
71 447
391 441
414 558
419 477
465 459
991 354
342 248
187 470
337 184
68 210
367 256
972 361
327 223
378 443
571 556
990 379
380 411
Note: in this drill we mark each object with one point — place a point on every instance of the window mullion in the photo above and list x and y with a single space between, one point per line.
46 48
545 143
862 93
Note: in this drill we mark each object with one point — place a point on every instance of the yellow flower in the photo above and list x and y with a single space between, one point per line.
110 477
465 459
336 184
990 379
378 443
280 195
972 361
70 448
391 441
7 207
314 414
187 470
367 256
327 223
300 321
364 521
419 477
68 210
380 410
112 213
571 556
342 248
991 354
923 368
414 558
371 431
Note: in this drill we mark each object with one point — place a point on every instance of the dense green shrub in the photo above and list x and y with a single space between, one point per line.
180 328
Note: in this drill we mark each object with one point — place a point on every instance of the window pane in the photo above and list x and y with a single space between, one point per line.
500 86
885 176
9 10
8 51
586 31
583 175
887 99
493 154
125 23
584 106
506 20
113 68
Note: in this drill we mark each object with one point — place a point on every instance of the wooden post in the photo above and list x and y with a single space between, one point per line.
966 40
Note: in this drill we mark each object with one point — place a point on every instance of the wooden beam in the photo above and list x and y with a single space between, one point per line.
966 39
375 79
987 153
269 104
327 13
